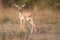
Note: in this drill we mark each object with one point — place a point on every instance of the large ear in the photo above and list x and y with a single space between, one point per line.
23 5
16 5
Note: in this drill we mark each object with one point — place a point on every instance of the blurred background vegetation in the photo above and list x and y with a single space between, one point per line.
47 10
54 4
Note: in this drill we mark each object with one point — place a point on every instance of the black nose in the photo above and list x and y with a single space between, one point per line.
20 10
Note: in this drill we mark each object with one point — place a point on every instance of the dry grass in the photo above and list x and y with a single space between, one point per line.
43 32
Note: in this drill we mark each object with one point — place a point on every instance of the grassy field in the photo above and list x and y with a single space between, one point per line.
47 25
9 31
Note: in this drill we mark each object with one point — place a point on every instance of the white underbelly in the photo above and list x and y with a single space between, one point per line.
23 18
27 19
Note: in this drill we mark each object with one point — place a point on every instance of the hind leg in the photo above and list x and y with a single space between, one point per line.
33 25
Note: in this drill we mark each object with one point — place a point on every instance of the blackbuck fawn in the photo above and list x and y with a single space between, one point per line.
24 16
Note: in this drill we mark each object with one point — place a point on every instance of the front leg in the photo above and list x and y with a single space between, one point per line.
21 25
24 22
